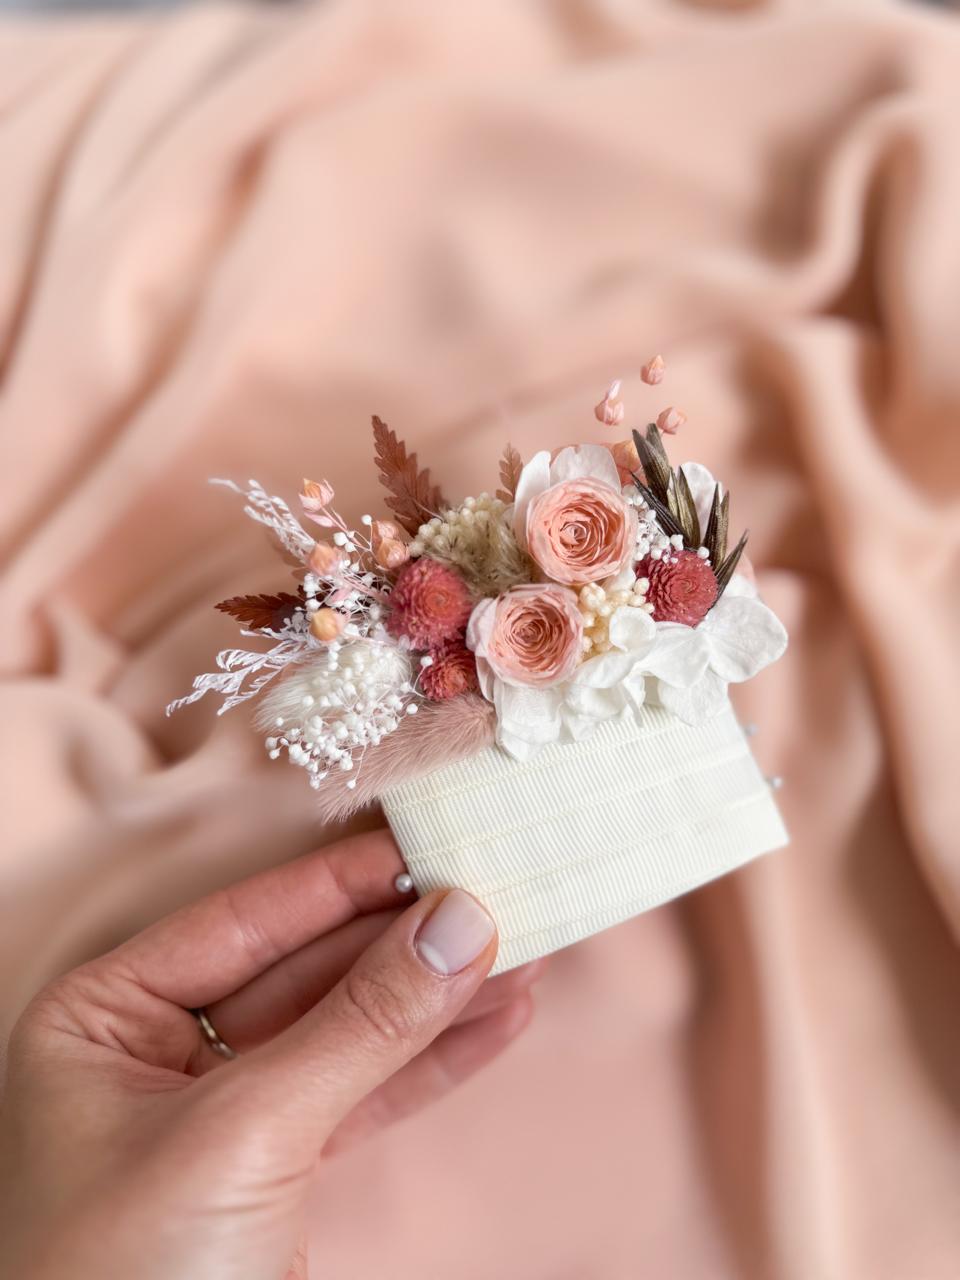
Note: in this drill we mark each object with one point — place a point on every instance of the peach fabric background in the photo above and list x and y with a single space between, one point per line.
228 236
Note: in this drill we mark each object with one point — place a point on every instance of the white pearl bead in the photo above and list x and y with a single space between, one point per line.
403 883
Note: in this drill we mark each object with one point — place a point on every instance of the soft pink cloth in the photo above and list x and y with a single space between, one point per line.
229 236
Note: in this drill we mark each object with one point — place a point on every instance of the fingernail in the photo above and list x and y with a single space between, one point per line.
454 934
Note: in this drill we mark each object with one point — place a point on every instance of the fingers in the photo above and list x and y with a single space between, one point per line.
214 946
274 1000
453 1057
400 994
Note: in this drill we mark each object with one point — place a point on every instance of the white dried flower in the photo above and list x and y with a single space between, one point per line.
599 604
478 540
336 704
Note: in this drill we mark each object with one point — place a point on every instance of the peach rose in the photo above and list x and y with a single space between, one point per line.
580 530
530 635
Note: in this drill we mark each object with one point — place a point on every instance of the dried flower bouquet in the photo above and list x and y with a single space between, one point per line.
592 600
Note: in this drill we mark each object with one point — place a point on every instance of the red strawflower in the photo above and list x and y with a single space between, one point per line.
683 588
429 603
453 671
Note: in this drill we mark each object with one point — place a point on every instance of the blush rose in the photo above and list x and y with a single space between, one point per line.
580 531
530 635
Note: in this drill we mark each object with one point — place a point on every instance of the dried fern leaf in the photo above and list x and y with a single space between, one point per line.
511 464
258 612
413 499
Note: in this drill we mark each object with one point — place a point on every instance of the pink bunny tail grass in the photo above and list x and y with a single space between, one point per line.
441 733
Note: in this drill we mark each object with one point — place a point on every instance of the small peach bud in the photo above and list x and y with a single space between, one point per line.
325 559
316 494
381 530
391 554
671 420
653 371
326 624
610 410
627 459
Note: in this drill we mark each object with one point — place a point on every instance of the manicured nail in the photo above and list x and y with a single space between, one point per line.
455 934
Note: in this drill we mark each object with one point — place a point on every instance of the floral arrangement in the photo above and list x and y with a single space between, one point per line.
595 578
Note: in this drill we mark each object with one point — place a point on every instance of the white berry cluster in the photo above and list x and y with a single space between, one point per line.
598 605
651 540
476 539
335 706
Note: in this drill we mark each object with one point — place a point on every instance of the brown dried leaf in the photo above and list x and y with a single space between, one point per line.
726 570
413 499
665 517
263 611
511 464
687 511
715 539
656 466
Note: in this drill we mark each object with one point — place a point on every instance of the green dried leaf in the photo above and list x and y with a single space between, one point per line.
687 510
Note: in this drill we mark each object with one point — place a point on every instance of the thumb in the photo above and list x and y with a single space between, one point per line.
400 994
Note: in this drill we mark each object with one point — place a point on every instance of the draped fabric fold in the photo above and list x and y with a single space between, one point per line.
228 236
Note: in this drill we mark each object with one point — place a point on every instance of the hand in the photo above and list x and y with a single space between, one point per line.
129 1147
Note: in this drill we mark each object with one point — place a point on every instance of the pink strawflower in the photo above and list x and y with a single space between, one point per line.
429 603
671 420
451 672
653 371
530 635
682 587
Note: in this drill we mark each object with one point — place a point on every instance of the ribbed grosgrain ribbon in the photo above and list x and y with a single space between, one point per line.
590 833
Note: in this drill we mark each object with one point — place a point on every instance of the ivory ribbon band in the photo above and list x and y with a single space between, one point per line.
587 834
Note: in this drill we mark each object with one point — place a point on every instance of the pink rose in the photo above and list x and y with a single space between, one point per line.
580 531
531 635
